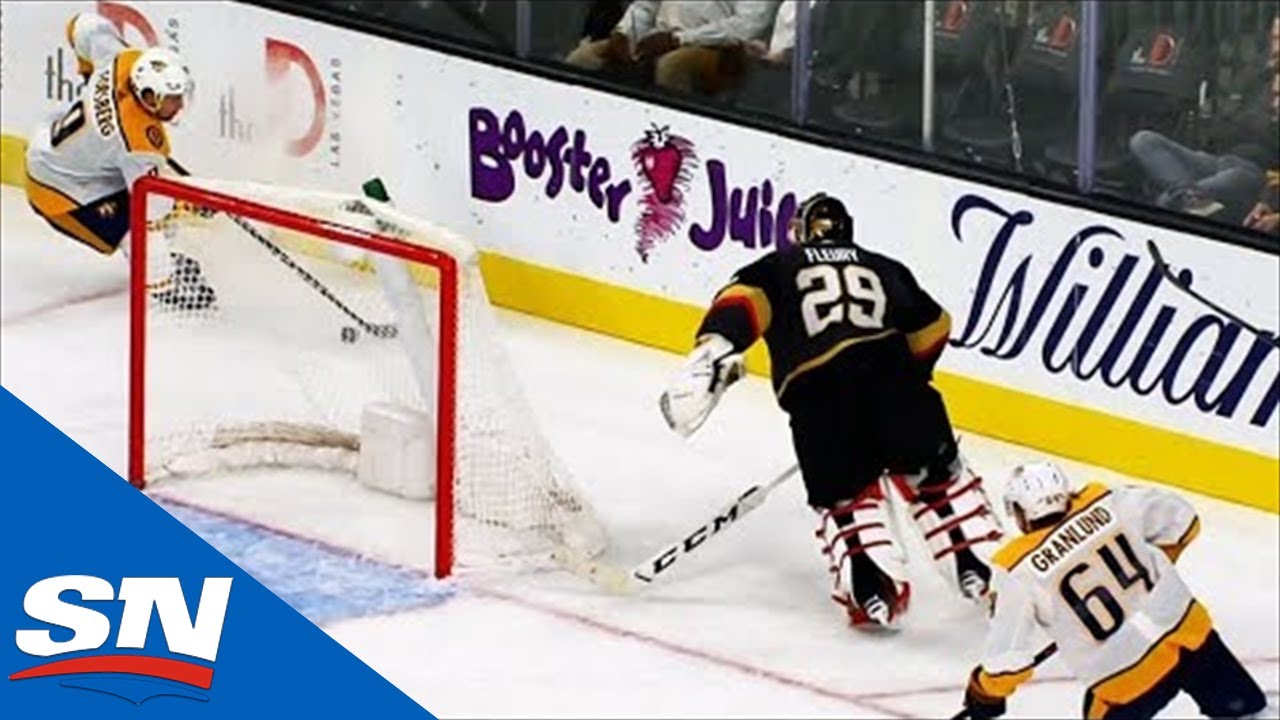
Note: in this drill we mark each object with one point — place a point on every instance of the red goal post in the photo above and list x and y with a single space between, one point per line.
149 188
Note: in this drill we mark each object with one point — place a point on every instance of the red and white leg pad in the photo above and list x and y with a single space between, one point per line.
858 539
953 516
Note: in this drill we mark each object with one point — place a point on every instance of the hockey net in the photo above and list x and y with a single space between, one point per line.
326 308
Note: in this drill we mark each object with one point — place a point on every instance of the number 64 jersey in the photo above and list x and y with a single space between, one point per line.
1101 584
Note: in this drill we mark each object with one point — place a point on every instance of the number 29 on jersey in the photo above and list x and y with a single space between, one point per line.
831 295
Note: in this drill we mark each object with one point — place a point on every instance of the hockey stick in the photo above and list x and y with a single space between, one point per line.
1045 653
622 581
381 330
1185 286
1015 137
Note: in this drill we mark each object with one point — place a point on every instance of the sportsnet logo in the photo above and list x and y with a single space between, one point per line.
136 676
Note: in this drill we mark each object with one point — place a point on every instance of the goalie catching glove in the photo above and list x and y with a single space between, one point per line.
711 368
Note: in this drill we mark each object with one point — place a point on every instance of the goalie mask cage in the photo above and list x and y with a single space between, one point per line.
282 368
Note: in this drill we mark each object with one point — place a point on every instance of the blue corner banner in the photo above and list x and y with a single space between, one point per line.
112 608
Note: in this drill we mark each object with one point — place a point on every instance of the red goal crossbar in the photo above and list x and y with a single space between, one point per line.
445 264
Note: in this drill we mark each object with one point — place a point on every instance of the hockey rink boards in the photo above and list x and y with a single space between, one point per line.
743 630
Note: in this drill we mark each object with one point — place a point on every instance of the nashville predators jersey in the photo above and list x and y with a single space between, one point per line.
1102 586
103 141
813 304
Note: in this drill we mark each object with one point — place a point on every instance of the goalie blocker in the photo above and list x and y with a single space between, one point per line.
852 341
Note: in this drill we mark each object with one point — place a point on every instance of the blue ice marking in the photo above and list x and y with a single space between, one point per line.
322 583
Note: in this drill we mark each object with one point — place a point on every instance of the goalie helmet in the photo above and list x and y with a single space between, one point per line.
158 75
822 219
1036 491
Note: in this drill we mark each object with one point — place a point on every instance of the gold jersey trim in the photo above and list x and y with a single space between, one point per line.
1020 547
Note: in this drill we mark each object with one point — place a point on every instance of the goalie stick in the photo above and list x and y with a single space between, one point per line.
381 330
622 581
1185 286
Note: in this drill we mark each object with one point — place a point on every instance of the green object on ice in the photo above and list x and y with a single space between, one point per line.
376 190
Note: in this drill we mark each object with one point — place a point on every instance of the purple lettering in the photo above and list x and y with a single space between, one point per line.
535 155
554 146
766 217
710 238
742 217
513 135
598 176
786 211
496 146
578 158
491 176
617 193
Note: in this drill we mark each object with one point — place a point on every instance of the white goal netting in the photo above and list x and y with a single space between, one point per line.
271 353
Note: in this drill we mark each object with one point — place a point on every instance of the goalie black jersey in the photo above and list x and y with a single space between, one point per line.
838 307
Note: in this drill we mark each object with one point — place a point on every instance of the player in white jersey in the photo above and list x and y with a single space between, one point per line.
1095 572
83 162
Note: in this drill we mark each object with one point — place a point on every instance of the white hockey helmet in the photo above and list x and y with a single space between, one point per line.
163 72
1035 491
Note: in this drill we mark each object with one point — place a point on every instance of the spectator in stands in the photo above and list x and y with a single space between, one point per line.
765 85
1195 181
1219 184
782 42
1265 216
691 45
602 17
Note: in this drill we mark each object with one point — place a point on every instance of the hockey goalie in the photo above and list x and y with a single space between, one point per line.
853 340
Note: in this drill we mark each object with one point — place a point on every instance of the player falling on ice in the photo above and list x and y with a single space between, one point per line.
1095 571
82 163
853 340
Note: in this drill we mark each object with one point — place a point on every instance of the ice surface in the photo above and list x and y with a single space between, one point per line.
745 629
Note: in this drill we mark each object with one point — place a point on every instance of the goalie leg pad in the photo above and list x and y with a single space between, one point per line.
865 559
950 509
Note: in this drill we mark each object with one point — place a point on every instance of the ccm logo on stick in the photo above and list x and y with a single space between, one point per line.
90 630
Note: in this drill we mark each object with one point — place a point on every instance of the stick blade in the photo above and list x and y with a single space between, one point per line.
613 580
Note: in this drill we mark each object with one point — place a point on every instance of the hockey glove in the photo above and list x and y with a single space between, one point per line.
710 369
981 706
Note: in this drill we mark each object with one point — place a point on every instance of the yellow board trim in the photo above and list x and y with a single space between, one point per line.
13 160
1126 446
1089 436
